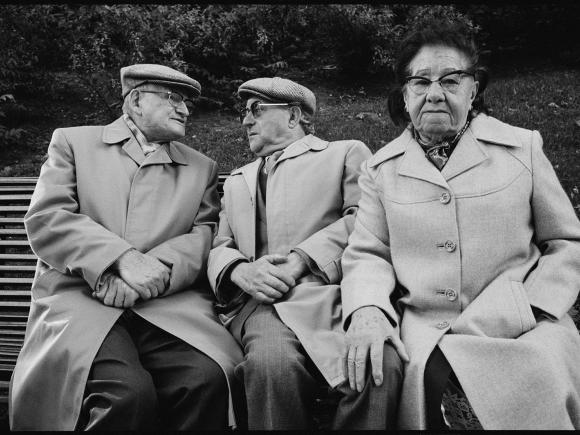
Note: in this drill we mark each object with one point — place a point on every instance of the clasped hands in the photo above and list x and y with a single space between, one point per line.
270 277
132 276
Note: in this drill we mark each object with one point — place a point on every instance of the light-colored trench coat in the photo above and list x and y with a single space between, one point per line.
96 198
311 202
471 247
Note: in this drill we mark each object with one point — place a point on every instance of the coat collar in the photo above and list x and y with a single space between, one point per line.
118 132
302 145
470 151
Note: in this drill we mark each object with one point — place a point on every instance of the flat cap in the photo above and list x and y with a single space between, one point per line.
279 89
138 74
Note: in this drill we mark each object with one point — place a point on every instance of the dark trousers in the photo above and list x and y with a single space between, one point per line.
281 381
144 378
437 371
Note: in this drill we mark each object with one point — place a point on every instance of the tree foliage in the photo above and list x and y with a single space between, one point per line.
222 45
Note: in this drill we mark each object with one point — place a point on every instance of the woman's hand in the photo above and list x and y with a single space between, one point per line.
369 329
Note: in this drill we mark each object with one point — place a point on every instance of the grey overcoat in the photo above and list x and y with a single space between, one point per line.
465 252
95 199
311 202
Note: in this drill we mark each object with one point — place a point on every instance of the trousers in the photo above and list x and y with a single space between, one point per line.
280 382
145 378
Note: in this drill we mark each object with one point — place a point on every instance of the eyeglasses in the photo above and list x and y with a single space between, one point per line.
449 82
174 98
256 109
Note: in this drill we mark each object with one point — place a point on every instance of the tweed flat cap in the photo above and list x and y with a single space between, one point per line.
279 89
138 74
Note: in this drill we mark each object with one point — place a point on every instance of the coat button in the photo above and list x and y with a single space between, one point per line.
450 246
442 325
451 294
445 198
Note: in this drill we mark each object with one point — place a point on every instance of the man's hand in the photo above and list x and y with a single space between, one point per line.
114 292
294 265
145 274
263 279
369 329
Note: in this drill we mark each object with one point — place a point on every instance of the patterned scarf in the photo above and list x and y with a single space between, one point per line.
440 152
146 146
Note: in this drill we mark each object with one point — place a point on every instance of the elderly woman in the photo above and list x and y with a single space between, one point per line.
465 256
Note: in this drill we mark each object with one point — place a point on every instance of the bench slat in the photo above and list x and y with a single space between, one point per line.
12 220
13 231
18 257
15 268
14 243
16 280
20 197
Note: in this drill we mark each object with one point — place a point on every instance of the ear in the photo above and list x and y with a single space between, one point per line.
295 116
135 101
474 90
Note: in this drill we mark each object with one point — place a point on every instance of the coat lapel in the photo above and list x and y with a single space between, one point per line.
467 154
250 174
414 164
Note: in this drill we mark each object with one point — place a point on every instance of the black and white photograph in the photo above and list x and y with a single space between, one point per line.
290 216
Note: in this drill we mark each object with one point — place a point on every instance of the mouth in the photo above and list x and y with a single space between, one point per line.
181 121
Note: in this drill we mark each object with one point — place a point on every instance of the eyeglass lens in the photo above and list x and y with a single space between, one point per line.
449 82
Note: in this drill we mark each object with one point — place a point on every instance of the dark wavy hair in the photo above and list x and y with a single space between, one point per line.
441 32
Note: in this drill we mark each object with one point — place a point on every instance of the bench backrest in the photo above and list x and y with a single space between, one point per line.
17 266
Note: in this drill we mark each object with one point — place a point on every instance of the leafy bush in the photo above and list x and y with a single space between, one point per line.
222 45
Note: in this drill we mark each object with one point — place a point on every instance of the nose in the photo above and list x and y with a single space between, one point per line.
435 93
182 109
248 119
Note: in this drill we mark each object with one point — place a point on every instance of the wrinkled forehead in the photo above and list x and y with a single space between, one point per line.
437 59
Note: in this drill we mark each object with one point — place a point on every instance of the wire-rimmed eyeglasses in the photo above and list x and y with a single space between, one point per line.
257 106
175 98
449 82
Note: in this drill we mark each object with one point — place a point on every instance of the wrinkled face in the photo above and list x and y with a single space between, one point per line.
438 112
159 120
269 130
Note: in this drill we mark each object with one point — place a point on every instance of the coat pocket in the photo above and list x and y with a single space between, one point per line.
501 310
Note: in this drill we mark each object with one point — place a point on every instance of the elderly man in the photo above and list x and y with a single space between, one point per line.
122 333
275 265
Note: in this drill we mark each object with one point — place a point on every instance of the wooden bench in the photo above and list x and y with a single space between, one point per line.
17 266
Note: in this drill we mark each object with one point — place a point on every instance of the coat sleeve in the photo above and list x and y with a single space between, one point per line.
326 246
59 235
368 274
187 254
553 285
224 251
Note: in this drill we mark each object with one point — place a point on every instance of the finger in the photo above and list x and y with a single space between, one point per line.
377 361
350 360
269 292
119 299
283 276
275 258
400 348
130 298
360 363
109 298
261 297
274 284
